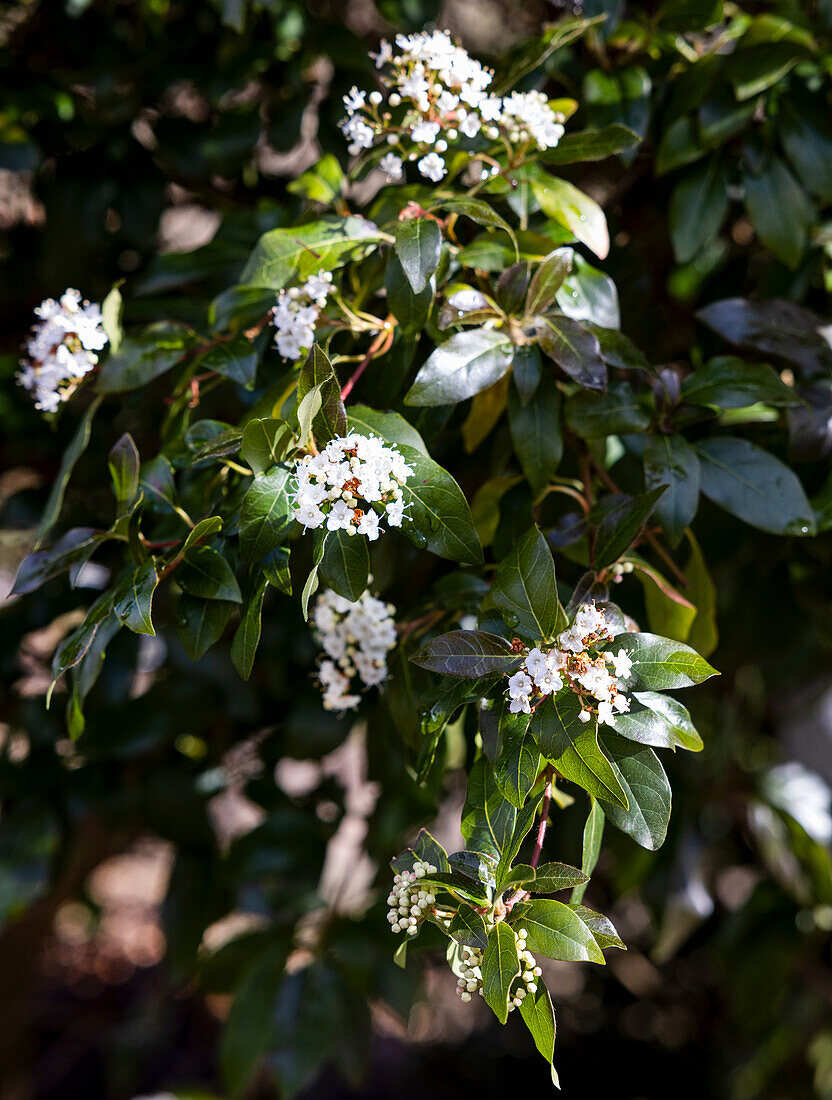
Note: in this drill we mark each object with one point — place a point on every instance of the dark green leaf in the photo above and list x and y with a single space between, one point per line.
679 146
410 309
572 746
575 350
547 280
468 928
648 792
526 591
345 564
536 432
317 374
275 567
777 327
779 211
248 1032
592 144
551 877
123 462
556 931
660 664
755 486
266 515
539 1017
200 623
684 16
518 764
488 818
727 382
142 358
621 525
156 482
247 636
807 139
235 359
597 415
290 254
42 565
526 368
418 246
311 583
388 426
265 442
676 728
207 574
437 515
601 927
133 599
500 966
698 207
470 361
467 653
670 460
752 69
77 446
591 846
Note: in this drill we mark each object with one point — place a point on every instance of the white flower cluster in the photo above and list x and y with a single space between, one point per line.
470 979
573 664
61 349
526 982
442 93
339 486
408 901
297 312
356 638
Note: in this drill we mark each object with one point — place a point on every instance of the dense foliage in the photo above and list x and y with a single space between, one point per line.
547 371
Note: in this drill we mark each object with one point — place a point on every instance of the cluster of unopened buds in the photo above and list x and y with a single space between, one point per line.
526 981
576 664
436 97
409 901
469 981
61 349
297 312
339 486
356 638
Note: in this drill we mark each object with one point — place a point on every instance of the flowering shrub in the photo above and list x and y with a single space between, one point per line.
459 315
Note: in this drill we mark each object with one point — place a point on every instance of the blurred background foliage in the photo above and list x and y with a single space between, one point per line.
154 868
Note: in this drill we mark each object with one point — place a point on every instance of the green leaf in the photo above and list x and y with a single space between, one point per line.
207 574
536 431
591 847
235 359
200 623
388 426
779 211
123 463
266 517
659 721
247 636
684 16
660 664
322 183
539 1017
648 792
42 565
574 210
111 310
621 525
572 746
488 819
527 370
142 358
330 421
467 653
617 350
470 361
410 309
753 69
518 765
500 966
477 210
293 253
345 564
311 584
549 878
526 590
589 295
556 931
429 850
157 484
597 415
600 926
679 146
265 442
727 382
807 140
418 246
698 206
547 280
670 460
275 567
574 348
203 530
248 1032
523 823
437 515
754 486
77 446
133 599
704 635
468 928
584 145
777 327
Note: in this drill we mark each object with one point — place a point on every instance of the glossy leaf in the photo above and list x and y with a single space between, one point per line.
201 623
698 206
290 254
777 327
437 515
134 597
142 358
670 460
206 573
556 931
622 523
77 445
727 382
345 564
584 145
235 359
500 966
648 792
660 664
266 515
467 653
330 421
488 818
597 415
470 361
518 765
526 591
247 636
418 245
575 350
571 208
536 433
593 835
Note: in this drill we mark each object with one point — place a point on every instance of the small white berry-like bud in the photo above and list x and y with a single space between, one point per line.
376 98
394 99
466 997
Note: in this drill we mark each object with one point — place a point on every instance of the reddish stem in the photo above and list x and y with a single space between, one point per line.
544 820
379 346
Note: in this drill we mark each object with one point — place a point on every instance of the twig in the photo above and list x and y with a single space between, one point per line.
544 819
379 346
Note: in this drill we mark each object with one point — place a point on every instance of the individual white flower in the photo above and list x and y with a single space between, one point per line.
384 55
358 133
368 525
317 287
391 165
605 714
432 167
61 349
621 663
356 638
425 132
395 513
354 100
470 125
